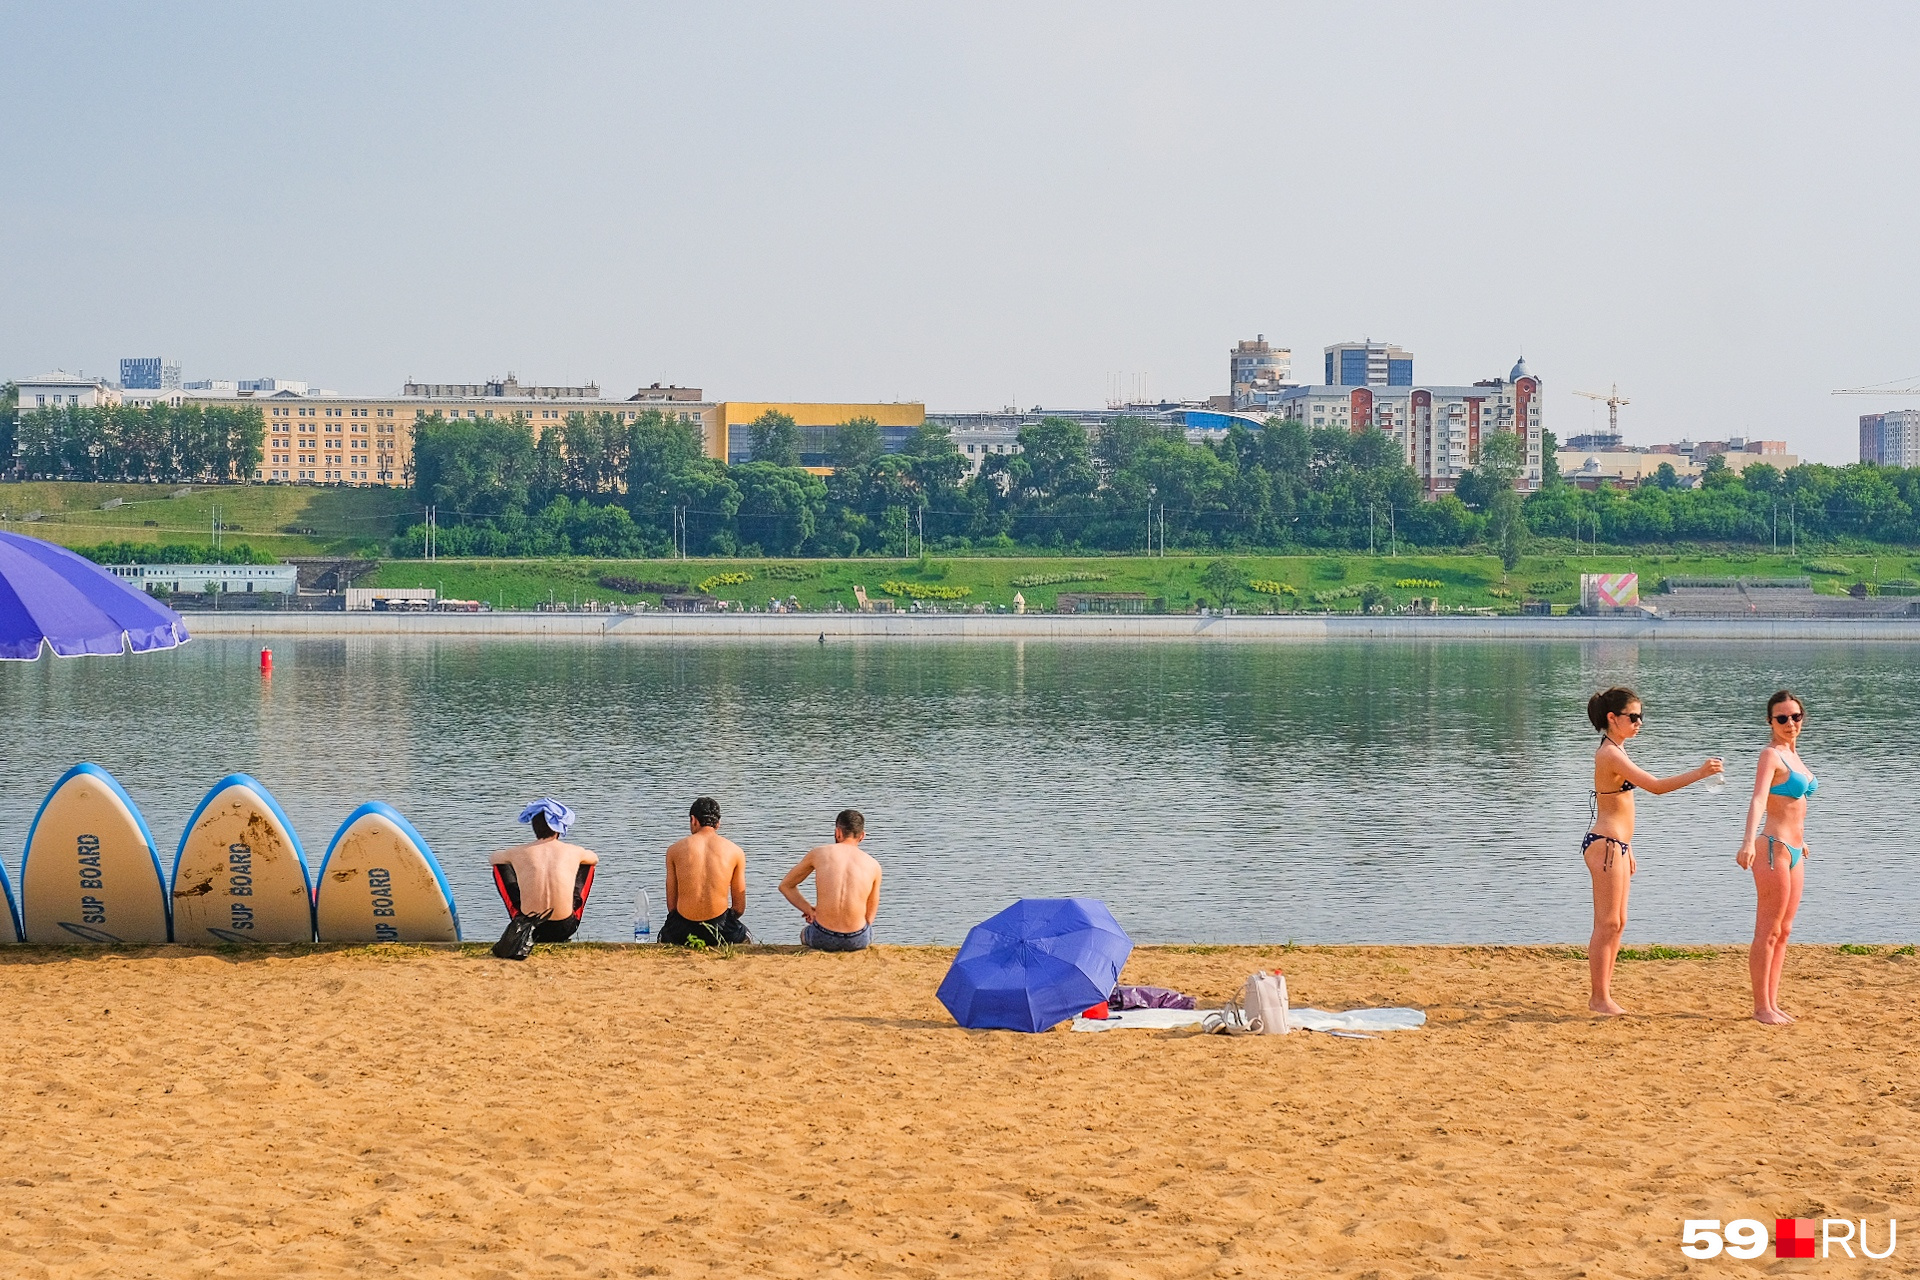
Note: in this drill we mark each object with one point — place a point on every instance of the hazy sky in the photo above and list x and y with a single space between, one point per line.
1713 205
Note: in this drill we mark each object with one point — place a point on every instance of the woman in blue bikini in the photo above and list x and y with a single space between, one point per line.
1608 847
1781 786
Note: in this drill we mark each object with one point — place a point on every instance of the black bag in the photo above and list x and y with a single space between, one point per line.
517 942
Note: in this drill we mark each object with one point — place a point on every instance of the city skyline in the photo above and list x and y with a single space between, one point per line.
975 208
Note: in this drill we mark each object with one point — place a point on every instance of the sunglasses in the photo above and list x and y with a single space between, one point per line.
1788 719
1634 716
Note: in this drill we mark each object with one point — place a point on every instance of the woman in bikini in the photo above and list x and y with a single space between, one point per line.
1608 847
1781 786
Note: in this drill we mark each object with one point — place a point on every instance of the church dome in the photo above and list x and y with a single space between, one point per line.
1519 370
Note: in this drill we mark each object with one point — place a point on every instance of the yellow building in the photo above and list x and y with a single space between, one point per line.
368 440
728 437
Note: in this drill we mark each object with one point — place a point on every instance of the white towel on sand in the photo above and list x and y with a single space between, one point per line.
1362 1020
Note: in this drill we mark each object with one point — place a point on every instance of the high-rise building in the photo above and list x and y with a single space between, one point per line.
1257 372
1891 439
1368 364
1438 428
150 373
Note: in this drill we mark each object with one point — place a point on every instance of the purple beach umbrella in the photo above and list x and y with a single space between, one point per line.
49 595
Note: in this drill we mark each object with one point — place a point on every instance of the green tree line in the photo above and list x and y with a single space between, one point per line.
605 487
204 444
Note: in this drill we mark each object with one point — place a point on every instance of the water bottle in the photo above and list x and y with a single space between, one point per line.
1716 783
643 918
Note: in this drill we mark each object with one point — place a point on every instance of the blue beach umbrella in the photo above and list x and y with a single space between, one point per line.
50 596
1038 963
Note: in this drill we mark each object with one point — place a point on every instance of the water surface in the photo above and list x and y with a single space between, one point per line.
1368 791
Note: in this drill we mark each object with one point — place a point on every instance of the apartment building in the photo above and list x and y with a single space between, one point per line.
63 390
1439 428
150 373
1368 364
1258 371
1891 439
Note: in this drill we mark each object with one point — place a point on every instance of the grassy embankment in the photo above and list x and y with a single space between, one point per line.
283 520
286 520
1465 581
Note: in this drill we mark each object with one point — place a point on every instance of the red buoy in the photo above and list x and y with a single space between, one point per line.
266 662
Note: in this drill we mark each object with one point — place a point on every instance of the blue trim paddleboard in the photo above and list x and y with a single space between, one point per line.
13 912
381 883
240 874
97 876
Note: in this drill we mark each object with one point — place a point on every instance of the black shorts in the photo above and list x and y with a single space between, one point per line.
678 931
561 930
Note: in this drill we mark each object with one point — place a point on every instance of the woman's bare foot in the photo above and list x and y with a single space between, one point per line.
1772 1017
1606 1006
1784 1014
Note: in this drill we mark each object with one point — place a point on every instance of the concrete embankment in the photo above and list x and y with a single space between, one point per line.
961 626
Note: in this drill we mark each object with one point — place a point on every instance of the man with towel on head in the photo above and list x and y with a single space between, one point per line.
706 883
547 868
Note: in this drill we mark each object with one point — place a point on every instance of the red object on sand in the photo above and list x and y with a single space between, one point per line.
1098 1013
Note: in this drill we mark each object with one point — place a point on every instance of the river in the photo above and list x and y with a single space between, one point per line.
1329 792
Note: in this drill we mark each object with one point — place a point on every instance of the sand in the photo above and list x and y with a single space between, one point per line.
635 1112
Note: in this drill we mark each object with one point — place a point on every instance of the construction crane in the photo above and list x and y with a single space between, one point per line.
1613 400
1882 389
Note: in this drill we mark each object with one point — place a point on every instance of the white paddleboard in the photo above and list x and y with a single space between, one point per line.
91 873
13 912
241 875
380 883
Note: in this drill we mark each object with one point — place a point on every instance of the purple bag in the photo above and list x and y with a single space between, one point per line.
1124 998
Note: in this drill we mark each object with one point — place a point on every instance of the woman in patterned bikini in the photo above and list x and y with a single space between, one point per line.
1608 847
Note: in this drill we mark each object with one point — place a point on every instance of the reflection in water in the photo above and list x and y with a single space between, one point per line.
1336 792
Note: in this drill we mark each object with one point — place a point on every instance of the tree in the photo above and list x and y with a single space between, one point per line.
1502 459
775 439
779 507
1223 577
1550 460
856 444
1760 477
9 422
1665 477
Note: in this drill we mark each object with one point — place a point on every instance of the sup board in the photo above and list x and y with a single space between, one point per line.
91 873
380 883
241 875
13 912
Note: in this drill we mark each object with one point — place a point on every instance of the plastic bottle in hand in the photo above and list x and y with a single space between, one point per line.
1717 782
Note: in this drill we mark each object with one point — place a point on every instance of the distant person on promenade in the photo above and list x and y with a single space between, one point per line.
1608 847
706 883
1781 787
846 880
544 875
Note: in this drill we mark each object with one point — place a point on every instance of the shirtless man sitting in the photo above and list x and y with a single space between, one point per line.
846 879
706 883
546 869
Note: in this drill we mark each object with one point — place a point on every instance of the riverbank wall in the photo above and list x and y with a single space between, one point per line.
263 624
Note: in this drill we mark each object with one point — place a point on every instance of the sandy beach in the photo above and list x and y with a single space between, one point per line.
638 1112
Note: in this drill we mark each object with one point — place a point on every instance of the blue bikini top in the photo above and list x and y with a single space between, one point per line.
1798 786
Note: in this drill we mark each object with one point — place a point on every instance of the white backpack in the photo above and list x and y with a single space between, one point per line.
1259 1009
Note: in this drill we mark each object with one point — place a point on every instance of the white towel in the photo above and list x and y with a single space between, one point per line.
1310 1019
